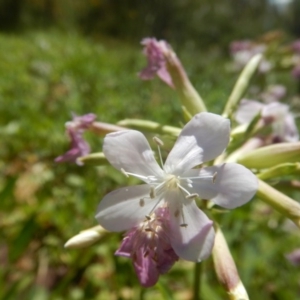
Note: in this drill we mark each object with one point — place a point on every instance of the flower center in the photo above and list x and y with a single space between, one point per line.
172 181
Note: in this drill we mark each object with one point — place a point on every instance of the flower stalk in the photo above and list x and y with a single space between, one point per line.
279 201
149 126
241 85
188 95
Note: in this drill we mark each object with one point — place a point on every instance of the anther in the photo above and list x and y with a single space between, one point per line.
148 229
192 196
142 202
176 214
152 192
214 177
148 218
183 225
124 172
158 141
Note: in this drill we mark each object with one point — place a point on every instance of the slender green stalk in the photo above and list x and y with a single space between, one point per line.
279 201
188 95
241 85
197 281
149 126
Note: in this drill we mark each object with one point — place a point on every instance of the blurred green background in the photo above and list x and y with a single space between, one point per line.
59 57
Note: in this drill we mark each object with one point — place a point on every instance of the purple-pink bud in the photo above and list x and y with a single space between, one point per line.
294 257
78 146
154 51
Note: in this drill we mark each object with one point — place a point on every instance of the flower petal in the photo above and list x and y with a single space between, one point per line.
123 209
129 150
145 268
194 241
247 110
291 133
233 184
203 138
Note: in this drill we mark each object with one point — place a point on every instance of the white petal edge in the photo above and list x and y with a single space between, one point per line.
130 150
202 139
195 241
234 185
121 209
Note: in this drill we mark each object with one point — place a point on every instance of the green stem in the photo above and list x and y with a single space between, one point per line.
197 281
241 85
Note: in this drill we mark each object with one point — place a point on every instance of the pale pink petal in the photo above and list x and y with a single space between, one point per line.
123 209
275 110
192 233
78 147
145 268
202 139
247 110
233 184
129 150
291 133
294 257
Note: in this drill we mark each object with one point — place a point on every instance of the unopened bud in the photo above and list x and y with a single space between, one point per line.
270 156
95 159
226 270
86 237
279 201
280 170
250 145
102 128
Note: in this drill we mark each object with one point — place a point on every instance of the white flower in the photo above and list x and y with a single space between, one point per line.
176 184
274 113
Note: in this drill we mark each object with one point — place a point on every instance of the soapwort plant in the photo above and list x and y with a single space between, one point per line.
217 161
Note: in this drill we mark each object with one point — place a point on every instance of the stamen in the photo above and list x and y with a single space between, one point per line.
214 177
158 141
124 172
183 220
154 207
192 196
159 144
198 177
183 189
176 214
152 192
137 175
148 217
148 229
142 202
